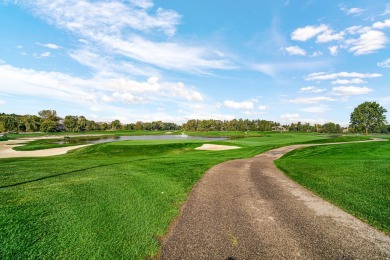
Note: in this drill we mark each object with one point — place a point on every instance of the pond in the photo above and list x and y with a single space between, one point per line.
107 139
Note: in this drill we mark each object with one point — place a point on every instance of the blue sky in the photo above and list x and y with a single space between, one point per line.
142 60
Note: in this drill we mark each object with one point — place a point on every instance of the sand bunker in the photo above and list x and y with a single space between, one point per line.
216 147
7 152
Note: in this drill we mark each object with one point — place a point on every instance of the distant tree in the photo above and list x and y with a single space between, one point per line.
49 126
330 128
103 126
81 123
48 115
368 117
116 125
70 123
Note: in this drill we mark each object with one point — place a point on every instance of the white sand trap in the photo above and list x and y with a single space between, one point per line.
7 152
216 147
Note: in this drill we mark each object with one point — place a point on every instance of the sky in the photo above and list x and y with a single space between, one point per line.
142 60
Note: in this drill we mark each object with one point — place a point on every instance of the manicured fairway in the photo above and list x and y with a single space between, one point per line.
112 200
355 177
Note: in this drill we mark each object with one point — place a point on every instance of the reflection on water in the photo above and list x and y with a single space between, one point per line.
107 139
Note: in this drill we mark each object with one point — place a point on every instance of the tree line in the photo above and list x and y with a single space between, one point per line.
49 121
367 117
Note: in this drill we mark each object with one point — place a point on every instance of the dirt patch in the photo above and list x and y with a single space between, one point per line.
216 147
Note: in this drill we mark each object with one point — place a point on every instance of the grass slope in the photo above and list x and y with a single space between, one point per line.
355 177
112 200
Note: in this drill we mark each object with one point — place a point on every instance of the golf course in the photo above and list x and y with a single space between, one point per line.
117 200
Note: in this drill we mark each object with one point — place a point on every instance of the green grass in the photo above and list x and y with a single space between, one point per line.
112 200
355 177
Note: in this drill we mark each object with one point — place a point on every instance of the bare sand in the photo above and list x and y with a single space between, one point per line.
6 150
216 147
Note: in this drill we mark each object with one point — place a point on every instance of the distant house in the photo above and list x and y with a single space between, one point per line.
61 126
279 128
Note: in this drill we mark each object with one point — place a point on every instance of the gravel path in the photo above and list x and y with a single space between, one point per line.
248 209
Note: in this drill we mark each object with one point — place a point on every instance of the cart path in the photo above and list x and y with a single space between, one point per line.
248 209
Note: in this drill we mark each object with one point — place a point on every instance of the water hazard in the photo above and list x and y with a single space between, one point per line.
107 139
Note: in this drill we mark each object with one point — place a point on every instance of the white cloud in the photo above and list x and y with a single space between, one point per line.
105 17
51 46
165 55
327 36
324 76
115 28
129 98
350 90
262 107
316 109
387 10
312 89
239 105
45 54
274 69
308 32
290 117
384 64
369 42
142 3
2 102
294 118
354 29
352 11
333 50
316 54
59 86
108 67
381 25
295 50
311 100
348 81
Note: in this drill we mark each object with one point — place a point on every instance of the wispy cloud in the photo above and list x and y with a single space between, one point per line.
350 90
249 104
384 64
348 81
311 100
273 69
295 118
295 50
69 89
308 32
334 50
352 11
45 54
369 42
330 76
50 46
316 109
312 89
123 28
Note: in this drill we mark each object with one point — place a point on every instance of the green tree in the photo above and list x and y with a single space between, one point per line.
81 123
48 115
49 126
116 125
70 123
368 116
